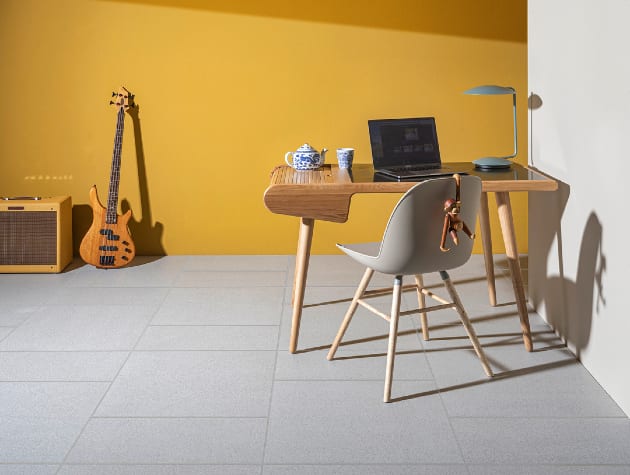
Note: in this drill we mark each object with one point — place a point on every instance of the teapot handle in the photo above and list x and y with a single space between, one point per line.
286 158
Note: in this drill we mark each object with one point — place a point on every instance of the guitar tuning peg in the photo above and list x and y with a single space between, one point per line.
111 102
114 94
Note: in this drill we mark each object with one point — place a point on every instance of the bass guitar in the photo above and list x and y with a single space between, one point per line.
108 244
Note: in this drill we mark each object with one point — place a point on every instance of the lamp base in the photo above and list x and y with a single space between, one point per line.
492 163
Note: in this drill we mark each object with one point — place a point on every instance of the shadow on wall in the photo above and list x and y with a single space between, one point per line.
487 19
81 221
146 235
568 304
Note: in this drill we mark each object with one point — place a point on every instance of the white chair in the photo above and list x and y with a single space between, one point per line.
411 246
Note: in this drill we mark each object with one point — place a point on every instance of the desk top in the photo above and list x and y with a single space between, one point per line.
325 193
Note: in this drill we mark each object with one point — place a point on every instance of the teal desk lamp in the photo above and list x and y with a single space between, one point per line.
495 163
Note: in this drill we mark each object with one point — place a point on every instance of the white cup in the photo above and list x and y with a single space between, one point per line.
345 157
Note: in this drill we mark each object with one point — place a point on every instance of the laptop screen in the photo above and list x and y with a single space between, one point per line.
404 142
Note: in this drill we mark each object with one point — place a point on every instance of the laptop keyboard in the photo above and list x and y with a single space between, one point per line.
413 168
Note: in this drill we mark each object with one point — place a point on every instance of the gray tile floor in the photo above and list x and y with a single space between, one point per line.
180 365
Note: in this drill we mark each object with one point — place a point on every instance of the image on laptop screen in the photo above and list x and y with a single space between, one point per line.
404 142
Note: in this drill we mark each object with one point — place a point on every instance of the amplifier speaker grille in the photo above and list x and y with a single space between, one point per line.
35 235
28 238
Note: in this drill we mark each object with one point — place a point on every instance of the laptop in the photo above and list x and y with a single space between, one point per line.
407 148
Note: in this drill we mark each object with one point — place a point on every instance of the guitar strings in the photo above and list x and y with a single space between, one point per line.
111 214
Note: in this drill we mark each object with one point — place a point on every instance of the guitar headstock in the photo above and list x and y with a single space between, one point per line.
123 99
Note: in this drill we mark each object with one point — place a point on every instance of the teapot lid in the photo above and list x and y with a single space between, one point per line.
306 148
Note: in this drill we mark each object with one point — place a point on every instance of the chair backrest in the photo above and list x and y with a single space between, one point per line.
411 242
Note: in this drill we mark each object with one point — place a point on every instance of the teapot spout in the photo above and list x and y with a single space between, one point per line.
322 156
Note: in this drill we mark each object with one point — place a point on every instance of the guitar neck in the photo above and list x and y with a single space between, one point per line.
114 179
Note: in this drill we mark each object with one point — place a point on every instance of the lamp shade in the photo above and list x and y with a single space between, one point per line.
490 90
493 163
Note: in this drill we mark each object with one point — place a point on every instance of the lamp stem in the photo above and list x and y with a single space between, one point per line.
515 139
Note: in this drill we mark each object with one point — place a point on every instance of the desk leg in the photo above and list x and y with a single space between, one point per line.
299 282
486 242
511 251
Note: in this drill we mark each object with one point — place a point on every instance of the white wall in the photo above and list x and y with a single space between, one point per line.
579 69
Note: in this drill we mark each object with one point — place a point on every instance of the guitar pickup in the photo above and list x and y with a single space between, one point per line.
107 248
106 260
109 233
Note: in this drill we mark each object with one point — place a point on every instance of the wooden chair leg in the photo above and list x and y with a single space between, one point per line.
393 333
421 305
350 313
466 322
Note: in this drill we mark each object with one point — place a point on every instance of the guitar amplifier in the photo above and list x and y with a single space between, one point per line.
35 234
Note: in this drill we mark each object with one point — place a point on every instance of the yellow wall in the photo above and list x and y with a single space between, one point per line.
225 90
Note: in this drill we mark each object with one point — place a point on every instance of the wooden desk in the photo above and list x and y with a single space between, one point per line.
325 194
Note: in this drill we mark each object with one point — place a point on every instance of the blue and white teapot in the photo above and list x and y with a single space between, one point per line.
305 158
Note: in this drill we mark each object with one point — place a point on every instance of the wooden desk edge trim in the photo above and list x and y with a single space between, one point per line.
401 187
516 186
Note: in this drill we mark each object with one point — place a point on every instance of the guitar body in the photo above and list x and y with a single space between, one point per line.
107 245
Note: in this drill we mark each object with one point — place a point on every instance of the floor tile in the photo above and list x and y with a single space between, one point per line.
108 296
232 263
364 469
143 273
170 441
40 421
209 337
226 306
42 280
456 365
164 469
25 294
197 383
80 328
42 440
60 365
14 315
202 278
498 326
562 391
347 422
549 469
547 440
5 331
351 365
28 469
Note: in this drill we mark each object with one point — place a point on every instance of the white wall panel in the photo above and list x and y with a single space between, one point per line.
579 67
